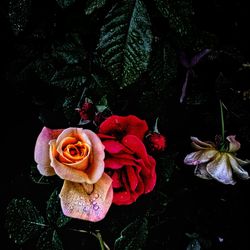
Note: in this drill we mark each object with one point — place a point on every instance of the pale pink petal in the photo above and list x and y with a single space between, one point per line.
220 169
96 160
242 162
77 201
76 133
201 171
198 144
199 157
234 145
237 169
41 152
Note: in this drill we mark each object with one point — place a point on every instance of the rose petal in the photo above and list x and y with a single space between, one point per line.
41 152
149 163
128 125
136 145
220 169
97 156
200 156
96 162
117 163
115 147
132 177
237 169
77 203
116 177
198 144
201 171
242 162
234 145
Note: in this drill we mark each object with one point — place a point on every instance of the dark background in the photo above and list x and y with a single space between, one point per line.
218 214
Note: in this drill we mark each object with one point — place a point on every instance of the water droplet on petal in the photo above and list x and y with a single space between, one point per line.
85 209
96 195
95 207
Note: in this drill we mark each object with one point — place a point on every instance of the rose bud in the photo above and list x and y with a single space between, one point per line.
87 111
156 142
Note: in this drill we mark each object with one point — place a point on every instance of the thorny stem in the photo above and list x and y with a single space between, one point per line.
222 122
98 235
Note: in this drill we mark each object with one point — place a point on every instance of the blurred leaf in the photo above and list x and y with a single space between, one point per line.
178 13
92 5
69 78
23 220
41 179
134 236
18 14
125 41
70 51
54 210
167 167
163 66
194 244
44 69
65 3
69 108
49 239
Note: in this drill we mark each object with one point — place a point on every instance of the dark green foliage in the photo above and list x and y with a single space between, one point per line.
133 236
92 5
23 220
163 65
19 12
49 239
178 13
125 41
65 3
69 51
41 179
125 56
54 211
68 78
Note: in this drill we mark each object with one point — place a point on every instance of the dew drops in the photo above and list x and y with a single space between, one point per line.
96 195
95 207
94 203
85 209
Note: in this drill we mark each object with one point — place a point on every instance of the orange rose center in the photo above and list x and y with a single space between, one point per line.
76 151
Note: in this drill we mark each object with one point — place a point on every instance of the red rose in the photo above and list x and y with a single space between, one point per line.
156 142
126 158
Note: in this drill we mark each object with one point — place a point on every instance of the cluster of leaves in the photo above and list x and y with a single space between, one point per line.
129 55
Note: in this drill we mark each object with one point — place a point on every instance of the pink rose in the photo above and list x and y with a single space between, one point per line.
77 156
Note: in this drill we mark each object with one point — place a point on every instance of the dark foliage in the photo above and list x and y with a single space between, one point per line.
137 57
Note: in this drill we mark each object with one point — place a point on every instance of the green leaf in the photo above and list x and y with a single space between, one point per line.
49 239
163 66
41 179
70 51
69 108
18 14
194 244
178 13
167 167
65 3
125 41
92 5
23 220
69 78
54 210
134 236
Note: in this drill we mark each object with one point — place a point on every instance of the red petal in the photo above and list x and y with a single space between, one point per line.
129 125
